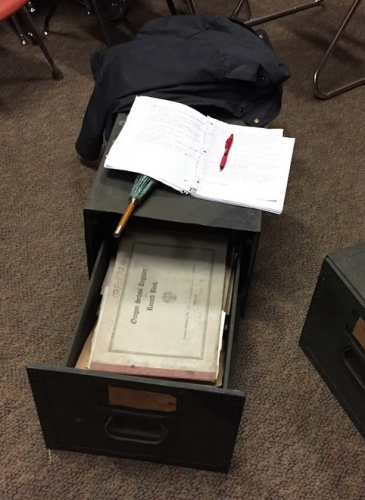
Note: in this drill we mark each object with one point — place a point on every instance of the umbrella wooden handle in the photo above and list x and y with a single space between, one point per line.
123 221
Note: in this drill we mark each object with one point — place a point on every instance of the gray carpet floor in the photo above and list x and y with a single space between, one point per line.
295 441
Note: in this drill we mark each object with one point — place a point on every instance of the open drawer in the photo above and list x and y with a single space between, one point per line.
189 424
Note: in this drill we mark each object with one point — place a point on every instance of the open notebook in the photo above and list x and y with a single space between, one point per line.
182 148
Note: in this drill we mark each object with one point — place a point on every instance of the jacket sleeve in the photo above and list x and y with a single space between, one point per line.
90 140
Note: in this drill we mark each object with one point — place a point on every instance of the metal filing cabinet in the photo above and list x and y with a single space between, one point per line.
333 336
136 417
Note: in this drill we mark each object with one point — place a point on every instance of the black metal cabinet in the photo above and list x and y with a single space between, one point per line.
333 336
189 424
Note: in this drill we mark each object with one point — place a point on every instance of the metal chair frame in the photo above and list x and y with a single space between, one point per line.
344 88
90 5
252 21
17 25
19 29
33 34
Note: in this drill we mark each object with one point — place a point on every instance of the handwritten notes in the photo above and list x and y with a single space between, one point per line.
162 142
182 148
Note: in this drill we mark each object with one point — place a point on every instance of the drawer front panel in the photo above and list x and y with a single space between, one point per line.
173 422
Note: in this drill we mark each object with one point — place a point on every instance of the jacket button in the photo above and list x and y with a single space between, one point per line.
256 120
261 36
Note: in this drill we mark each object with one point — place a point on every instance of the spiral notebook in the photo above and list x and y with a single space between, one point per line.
182 148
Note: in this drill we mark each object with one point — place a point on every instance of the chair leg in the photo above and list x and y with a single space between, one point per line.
101 22
172 7
192 6
56 72
239 6
276 15
88 4
19 30
49 16
319 94
257 20
30 7
88 7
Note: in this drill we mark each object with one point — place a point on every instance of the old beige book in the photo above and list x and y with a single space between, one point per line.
162 314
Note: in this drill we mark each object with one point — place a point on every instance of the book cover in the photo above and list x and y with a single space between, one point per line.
162 316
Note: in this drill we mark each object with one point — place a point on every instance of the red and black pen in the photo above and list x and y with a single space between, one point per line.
226 151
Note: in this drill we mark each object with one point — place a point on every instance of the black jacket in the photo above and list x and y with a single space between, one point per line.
204 61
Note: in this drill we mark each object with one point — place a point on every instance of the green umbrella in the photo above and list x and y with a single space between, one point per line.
142 186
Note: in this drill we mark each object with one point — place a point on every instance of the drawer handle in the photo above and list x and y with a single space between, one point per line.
130 435
351 367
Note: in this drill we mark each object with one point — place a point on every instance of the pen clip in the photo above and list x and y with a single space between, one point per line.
229 142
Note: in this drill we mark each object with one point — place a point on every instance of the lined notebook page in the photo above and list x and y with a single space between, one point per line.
253 165
278 205
161 139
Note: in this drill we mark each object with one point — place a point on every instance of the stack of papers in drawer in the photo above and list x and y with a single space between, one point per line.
162 308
